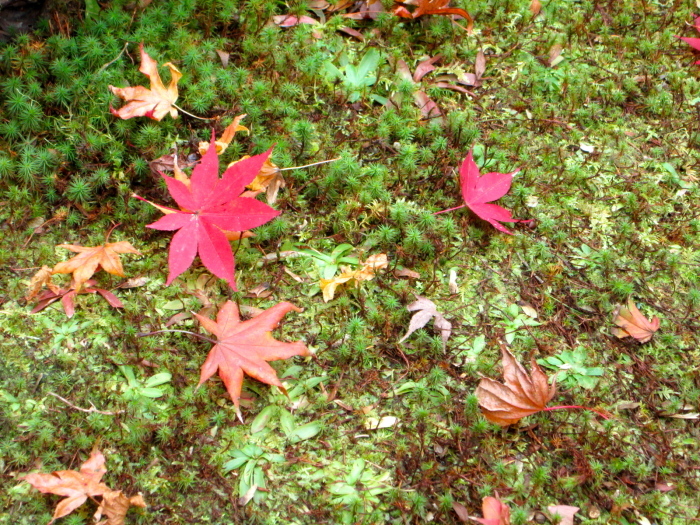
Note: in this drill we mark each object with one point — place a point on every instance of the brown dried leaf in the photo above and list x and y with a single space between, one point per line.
522 394
41 278
90 259
632 323
535 7
76 486
425 311
115 505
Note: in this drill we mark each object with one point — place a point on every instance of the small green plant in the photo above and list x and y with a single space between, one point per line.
356 79
358 490
251 459
136 389
513 321
572 369
328 263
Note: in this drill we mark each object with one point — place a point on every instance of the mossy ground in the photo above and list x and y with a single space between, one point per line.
613 221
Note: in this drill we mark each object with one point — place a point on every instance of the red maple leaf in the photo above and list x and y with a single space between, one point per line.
693 42
245 346
209 205
479 190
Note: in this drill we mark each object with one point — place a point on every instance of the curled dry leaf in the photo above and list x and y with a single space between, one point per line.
67 297
270 180
495 512
38 281
153 103
522 394
226 137
425 311
632 323
366 272
89 260
244 347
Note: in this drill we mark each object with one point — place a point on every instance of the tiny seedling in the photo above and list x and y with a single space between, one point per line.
251 459
572 369
328 264
356 79
136 389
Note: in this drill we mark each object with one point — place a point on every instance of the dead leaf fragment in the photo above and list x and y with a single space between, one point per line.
366 272
565 513
535 7
461 511
226 137
41 278
90 259
425 311
521 395
153 103
632 323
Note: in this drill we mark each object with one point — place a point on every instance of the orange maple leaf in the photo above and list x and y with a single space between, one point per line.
522 394
245 347
76 486
83 266
632 323
431 7
153 103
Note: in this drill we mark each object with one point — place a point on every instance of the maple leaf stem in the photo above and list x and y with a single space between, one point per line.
204 337
450 209
308 165
567 407
114 227
190 114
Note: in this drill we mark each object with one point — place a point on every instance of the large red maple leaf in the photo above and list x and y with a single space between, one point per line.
478 190
209 205
245 346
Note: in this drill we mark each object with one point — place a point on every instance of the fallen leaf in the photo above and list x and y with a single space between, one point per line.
535 7
208 206
565 513
366 272
153 103
38 281
76 486
226 137
479 190
292 20
555 55
433 7
67 296
352 32
632 323
495 512
693 42
372 423
89 260
461 511
270 180
243 347
405 272
366 9
115 505
521 395
223 56
425 311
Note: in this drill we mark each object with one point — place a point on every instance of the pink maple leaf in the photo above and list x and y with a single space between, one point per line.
479 190
209 205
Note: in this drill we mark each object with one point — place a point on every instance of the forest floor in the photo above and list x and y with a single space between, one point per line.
595 103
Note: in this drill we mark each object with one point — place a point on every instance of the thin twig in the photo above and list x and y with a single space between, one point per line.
126 44
190 114
309 165
90 410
